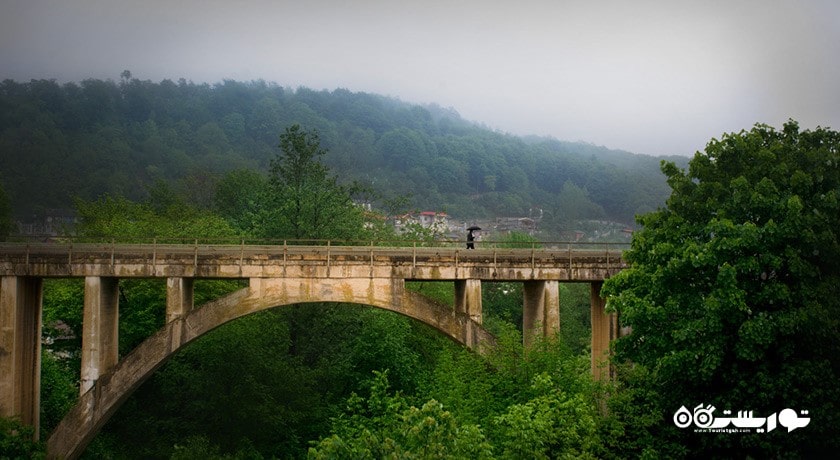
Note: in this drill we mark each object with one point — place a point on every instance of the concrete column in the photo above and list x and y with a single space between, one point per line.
179 302
100 339
468 301
540 310
179 298
604 330
20 349
468 298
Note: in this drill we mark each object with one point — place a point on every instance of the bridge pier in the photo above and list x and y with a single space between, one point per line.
100 326
468 302
541 310
179 298
179 303
468 298
20 349
604 331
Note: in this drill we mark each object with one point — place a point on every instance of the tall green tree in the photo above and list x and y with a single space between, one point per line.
306 201
733 294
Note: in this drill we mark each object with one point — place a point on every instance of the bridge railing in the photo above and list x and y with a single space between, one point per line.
306 242
240 241
141 258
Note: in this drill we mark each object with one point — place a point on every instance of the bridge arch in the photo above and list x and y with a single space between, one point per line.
96 406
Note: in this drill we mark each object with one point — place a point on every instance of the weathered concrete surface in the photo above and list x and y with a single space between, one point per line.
96 405
100 329
232 261
540 310
20 348
604 331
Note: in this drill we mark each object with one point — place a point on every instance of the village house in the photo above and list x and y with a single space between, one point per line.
51 222
437 221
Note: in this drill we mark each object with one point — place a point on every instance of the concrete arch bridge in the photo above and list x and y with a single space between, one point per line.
277 275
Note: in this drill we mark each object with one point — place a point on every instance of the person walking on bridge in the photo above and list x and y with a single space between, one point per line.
471 236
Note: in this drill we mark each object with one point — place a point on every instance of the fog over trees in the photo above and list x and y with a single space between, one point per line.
95 137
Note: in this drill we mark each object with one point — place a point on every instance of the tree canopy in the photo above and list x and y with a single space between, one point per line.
91 138
733 294
304 201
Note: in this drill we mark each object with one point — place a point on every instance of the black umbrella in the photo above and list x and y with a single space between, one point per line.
474 227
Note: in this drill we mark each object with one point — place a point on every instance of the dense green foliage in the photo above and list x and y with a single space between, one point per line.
121 138
733 294
275 383
544 419
16 441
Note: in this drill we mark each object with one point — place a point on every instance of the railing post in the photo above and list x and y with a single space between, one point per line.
457 253
607 245
569 246
241 255
533 260
328 258
371 258
495 265
285 257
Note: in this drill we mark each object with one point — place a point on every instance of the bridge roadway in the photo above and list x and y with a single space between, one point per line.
562 263
277 275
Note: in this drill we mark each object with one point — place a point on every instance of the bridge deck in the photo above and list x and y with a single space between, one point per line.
572 262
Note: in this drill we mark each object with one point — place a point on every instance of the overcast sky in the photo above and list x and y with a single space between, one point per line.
649 76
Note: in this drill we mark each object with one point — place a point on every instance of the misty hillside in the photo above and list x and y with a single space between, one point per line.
96 137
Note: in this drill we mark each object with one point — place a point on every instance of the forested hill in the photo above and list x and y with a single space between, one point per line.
59 141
